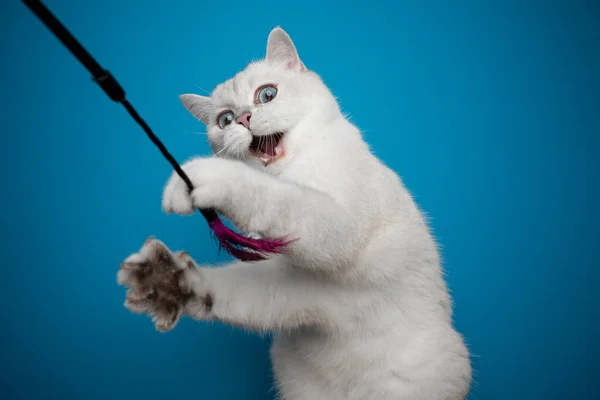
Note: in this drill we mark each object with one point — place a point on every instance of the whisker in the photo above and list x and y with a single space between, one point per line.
204 90
227 145
239 153
218 152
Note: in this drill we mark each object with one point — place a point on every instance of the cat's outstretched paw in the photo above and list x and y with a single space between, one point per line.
157 283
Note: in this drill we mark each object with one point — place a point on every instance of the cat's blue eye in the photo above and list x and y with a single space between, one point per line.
266 94
224 119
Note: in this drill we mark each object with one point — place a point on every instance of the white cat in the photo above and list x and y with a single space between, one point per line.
358 305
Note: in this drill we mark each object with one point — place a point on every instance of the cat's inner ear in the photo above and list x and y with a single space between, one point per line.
281 50
200 106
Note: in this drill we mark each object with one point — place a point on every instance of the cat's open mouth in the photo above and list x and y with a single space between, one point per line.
267 147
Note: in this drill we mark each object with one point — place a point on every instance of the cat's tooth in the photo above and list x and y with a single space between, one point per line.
265 159
278 151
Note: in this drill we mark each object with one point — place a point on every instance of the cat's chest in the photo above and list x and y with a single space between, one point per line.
301 342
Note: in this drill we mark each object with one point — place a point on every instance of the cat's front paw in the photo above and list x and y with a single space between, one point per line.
213 180
157 283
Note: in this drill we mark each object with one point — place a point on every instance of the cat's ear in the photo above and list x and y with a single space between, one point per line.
281 50
199 106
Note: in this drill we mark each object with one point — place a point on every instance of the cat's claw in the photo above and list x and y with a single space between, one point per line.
154 278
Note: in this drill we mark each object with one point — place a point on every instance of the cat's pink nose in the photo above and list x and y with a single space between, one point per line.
244 119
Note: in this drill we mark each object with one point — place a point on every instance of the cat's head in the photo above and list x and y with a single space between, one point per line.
268 112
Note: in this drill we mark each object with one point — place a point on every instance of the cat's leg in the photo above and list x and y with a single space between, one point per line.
328 235
261 296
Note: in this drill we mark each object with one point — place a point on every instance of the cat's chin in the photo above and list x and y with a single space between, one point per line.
267 148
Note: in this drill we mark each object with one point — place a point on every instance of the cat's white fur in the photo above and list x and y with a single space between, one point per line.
359 306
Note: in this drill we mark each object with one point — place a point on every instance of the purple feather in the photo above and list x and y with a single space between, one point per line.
244 248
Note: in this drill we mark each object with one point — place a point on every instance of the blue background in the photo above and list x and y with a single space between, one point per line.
490 112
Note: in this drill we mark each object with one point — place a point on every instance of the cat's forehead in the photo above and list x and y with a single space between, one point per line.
242 86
